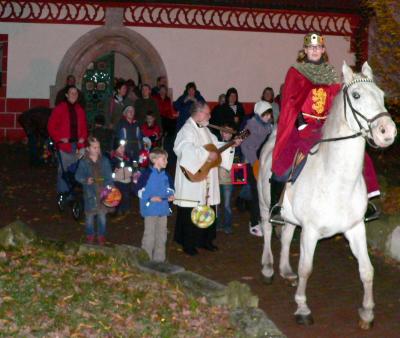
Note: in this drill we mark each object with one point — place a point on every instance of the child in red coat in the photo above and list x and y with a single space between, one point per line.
151 130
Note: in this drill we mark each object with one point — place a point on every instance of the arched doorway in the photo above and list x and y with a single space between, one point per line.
101 41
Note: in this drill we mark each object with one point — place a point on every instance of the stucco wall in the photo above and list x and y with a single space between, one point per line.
214 59
34 54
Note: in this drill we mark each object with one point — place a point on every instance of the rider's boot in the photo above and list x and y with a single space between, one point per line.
372 212
275 209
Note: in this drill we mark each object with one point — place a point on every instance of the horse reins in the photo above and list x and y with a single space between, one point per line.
356 114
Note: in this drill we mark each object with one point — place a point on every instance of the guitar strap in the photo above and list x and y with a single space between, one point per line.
207 132
208 190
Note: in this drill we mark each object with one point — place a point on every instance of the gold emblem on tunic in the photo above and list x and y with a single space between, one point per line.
319 99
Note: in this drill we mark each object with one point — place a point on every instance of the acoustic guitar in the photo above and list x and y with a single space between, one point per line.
202 173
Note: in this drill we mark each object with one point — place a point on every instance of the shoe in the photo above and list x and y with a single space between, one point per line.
101 240
277 188
190 251
228 231
372 212
209 247
255 230
90 239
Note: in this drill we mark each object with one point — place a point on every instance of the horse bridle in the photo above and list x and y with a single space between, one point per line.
356 114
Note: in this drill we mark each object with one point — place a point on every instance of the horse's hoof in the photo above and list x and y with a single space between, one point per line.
306 320
292 282
365 325
267 280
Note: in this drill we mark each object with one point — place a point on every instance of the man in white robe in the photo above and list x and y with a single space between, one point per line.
192 155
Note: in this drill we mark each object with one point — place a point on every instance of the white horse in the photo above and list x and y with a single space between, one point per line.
329 196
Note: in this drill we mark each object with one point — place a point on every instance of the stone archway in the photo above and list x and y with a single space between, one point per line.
104 40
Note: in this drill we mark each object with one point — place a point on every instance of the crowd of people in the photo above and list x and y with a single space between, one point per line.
144 140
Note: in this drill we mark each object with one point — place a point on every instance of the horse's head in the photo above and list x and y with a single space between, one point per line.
364 107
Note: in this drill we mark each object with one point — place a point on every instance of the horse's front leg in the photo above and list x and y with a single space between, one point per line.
285 268
358 244
308 242
267 259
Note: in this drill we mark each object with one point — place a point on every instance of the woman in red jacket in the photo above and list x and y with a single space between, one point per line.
168 120
310 86
68 129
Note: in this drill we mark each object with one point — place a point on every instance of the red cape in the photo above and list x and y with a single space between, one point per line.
296 90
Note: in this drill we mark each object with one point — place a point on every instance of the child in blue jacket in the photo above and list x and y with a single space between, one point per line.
155 190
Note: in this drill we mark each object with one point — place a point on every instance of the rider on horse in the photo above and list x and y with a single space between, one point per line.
310 87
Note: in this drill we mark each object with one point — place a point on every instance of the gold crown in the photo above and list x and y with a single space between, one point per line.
313 39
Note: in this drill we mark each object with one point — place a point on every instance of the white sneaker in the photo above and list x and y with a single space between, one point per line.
255 230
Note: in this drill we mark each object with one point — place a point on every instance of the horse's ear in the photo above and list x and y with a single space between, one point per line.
367 71
347 73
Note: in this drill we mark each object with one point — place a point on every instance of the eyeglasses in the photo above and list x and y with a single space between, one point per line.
318 47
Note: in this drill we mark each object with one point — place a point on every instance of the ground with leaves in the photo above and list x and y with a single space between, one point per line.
45 292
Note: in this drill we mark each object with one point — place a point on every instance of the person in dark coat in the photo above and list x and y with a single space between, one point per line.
231 112
34 121
190 96
146 104
118 103
128 129
216 112
122 175
161 81
103 134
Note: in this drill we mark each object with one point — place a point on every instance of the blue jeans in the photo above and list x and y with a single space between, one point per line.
101 224
245 192
65 160
225 209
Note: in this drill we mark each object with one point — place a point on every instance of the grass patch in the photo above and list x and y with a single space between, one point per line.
44 292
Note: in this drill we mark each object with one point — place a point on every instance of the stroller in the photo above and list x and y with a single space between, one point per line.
74 196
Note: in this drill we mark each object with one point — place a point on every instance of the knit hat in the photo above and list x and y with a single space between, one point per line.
261 107
126 108
146 142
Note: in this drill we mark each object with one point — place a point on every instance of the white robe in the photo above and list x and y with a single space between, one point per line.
191 154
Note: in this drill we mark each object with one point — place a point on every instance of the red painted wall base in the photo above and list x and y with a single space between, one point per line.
10 109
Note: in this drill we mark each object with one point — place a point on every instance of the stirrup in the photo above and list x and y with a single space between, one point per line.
372 213
275 215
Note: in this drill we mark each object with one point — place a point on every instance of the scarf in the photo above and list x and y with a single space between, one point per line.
318 73
73 122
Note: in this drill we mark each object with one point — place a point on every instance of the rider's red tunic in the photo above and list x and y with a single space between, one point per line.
300 94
